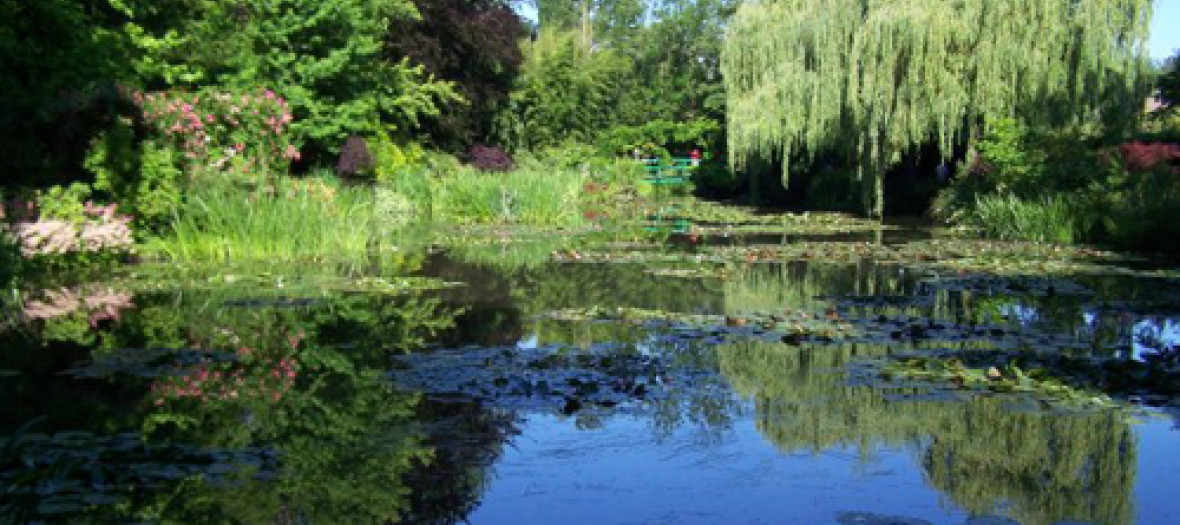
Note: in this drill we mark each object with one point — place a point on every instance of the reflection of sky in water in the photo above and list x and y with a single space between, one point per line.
555 472
1021 313
1147 334
528 342
1155 333
618 474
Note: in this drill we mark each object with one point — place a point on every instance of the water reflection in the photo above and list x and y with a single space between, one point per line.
987 454
233 405
186 408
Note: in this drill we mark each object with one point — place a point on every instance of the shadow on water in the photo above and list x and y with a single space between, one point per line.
543 390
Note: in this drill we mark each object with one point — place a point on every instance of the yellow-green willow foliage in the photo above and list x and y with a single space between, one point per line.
873 79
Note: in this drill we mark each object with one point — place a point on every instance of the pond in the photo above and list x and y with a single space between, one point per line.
653 379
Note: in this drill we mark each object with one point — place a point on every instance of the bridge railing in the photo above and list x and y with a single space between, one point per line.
660 173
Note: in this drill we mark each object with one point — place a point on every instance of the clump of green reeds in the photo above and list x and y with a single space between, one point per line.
530 195
1052 219
293 220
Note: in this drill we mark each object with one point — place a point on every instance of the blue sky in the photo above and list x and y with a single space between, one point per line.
530 12
1165 29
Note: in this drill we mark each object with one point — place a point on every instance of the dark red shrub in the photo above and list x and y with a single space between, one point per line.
1142 157
476 45
355 157
489 158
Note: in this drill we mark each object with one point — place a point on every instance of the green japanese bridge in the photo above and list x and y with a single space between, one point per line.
663 175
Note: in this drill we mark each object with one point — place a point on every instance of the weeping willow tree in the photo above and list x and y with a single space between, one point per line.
870 80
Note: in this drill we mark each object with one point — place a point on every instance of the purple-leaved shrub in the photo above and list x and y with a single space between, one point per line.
355 158
489 158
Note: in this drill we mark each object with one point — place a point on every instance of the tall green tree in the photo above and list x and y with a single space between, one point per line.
58 62
678 61
870 80
565 93
595 20
328 57
646 62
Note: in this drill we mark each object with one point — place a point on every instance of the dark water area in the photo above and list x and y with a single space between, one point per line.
595 393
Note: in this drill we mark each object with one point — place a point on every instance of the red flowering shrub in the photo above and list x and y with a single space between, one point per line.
211 381
1142 157
264 374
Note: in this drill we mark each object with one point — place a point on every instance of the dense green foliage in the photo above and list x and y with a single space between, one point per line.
625 64
139 100
327 58
1168 82
872 81
58 62
62 61
565 92
1035 185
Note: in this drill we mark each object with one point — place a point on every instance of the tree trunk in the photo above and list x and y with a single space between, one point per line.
587 27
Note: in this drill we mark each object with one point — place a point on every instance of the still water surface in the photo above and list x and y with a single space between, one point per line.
493 403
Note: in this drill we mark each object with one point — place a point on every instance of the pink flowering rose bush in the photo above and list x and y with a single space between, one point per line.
244 133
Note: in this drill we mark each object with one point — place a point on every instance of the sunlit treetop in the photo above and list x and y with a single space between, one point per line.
871 79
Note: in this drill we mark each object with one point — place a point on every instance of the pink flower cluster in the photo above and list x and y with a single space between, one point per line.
210 127
251 377
98 304
102 229
208 381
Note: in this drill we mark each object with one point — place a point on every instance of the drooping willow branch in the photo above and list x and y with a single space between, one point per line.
873 79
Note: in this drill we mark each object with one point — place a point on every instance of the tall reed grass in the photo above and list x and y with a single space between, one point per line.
1052 219
530 195
311 219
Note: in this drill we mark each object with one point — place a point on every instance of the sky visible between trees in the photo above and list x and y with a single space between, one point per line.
1165 27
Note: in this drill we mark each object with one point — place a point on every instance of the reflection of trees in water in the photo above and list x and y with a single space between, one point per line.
560 286
1045 467
803 401
346 443
571 285
796 285
498 301
1038 467
465 440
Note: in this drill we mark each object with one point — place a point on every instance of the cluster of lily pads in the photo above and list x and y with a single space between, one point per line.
68 473
952 373
962 354
555 379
